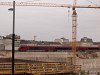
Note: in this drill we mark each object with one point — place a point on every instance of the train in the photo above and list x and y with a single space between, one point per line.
54 48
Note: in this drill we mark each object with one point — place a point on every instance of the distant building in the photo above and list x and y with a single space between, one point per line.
96 44
6 42
48 43
86 41
63 41
28 42
10 36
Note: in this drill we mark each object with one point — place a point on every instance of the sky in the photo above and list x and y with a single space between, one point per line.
49 23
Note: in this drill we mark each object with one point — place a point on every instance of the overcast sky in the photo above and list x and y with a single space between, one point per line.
48 23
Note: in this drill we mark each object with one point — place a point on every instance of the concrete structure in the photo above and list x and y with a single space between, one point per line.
8 44
87 65
90 66
2 47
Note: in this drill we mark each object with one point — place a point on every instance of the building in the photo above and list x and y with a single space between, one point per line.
10 36
6 42
86 41
63 41
28 42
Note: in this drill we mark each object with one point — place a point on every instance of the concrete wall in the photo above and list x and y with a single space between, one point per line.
2 47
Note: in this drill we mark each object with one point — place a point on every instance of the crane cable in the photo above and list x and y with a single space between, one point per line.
92 3
68 16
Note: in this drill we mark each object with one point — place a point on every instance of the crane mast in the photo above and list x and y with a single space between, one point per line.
74 32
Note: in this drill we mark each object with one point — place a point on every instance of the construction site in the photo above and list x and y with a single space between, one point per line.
50 63
73 62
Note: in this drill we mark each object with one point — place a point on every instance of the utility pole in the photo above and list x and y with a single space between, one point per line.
34 40
13 38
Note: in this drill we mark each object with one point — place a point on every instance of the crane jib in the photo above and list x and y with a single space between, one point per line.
47 5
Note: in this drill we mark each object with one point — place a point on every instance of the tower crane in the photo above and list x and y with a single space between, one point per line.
74 16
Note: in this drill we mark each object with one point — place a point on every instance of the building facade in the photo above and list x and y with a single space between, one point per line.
6 42
63 41
86 41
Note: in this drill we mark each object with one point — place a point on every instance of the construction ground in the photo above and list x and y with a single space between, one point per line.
90 62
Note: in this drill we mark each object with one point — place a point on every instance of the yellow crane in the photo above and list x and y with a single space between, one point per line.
74 32
74 16
47 5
